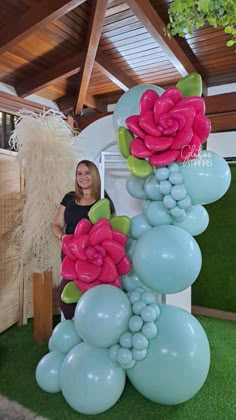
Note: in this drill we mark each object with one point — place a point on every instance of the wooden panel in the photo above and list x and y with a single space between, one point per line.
223 122
9 263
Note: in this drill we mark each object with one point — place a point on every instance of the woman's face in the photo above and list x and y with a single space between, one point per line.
83 176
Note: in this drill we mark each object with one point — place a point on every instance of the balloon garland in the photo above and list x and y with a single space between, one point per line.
119 332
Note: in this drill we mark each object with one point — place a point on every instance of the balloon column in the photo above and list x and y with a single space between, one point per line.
119 265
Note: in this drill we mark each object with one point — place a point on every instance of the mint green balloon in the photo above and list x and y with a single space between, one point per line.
206 178
91 382
177 360
167 259
48 370
64 336
102 315
135 187
196 220
152 188
128 103
131 281
139 225
157 215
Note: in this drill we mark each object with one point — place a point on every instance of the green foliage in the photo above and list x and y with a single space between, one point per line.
185 16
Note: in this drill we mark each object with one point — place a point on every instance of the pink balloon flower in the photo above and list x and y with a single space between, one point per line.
169 128
94 255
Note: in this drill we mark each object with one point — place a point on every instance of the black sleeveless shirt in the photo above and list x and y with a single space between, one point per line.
73 212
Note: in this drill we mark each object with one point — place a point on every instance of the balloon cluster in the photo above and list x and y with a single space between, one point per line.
133 344
126 332
175 197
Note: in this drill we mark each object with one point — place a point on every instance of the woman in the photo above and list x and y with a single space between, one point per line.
74 207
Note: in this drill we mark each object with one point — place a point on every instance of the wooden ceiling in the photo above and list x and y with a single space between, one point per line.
87 53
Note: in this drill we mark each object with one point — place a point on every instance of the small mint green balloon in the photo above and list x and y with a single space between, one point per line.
135 323
139 341
162 173
149 330
139 354
126 340
176 178
148 314
185 203
157 215
177 213
135 187
134 296
148 297
48 371
169 202
152 188
178 192
173 167
165 187
124 356
138 306
113 350
139 225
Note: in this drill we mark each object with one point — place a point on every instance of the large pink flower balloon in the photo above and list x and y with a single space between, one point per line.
94 255
169 128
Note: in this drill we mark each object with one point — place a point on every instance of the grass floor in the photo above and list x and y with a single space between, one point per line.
19 356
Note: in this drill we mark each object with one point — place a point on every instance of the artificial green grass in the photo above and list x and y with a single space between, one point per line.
19 356
216 285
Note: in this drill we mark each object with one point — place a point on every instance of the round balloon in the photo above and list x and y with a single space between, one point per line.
90 382
65 336
139 225
135 187
196 220
102 315
167 259
48 370
128 104
177 361
206 178
131 281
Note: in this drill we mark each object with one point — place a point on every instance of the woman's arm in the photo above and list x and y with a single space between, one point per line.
59 223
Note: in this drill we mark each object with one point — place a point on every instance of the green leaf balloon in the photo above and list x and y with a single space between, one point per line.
124 139
121 223
71 293
100 210
190 85
139 167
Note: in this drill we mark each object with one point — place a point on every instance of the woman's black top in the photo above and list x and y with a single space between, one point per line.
73 212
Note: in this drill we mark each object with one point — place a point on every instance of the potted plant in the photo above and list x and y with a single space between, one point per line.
185 16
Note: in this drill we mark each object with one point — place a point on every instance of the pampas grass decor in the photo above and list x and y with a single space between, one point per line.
44 146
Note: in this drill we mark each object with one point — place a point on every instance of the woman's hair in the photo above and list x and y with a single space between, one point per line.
96 180
96 184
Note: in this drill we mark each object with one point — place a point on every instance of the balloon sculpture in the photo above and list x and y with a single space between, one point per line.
119 265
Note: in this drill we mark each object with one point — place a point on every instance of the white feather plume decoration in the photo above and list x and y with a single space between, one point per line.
44 146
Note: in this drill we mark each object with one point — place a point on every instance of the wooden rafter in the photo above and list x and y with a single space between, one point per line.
113 73
93 41
150 19
61 70
67 103
39 14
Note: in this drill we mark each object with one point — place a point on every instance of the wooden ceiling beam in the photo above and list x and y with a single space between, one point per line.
150 19
62 70
113 73
13 104
67 103
94 36
41 13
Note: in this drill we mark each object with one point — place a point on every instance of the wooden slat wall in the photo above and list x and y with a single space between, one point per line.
10 281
